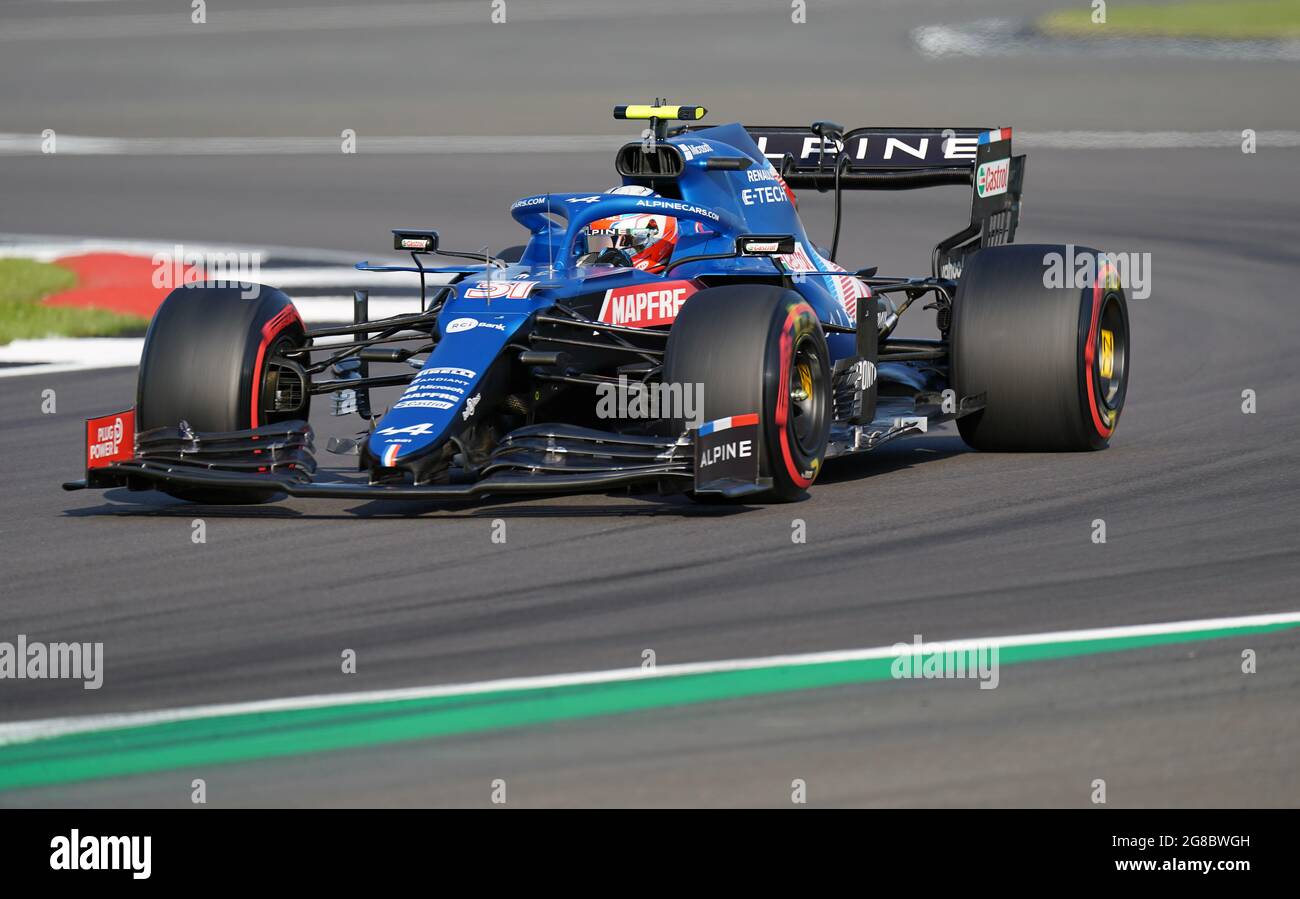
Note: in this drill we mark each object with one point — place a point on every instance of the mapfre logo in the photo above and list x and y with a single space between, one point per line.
645 306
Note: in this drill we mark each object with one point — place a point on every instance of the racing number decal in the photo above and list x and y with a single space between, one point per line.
498 290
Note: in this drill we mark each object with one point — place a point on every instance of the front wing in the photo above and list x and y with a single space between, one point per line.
538 459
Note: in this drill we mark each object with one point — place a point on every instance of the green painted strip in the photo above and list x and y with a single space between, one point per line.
244 737
1238 20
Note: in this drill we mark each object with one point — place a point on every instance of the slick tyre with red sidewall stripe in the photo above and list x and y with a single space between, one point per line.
755 348
1050 363
205 362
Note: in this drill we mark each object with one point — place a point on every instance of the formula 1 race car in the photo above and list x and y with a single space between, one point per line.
679 331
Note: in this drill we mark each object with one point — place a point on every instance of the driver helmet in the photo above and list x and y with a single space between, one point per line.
648 240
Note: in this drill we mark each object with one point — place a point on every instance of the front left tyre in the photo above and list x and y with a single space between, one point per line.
756 348
207 361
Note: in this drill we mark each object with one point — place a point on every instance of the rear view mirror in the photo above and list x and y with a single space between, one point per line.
764 244
415 241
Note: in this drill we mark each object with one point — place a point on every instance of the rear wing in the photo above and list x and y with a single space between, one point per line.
906 159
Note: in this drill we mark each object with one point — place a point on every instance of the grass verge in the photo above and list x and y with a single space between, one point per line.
24 283
1231 19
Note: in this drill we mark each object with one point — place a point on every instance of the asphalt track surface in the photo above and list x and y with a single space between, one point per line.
922 537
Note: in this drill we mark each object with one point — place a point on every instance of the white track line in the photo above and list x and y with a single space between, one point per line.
63 354
360 16
26 731
17 144
48 247
58 355
343 277
322 310
57 368
332 269
1149 140
1019 37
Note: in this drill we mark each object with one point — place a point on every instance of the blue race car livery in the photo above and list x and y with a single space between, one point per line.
679 331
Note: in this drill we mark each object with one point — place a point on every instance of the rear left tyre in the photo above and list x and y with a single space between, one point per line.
1051 363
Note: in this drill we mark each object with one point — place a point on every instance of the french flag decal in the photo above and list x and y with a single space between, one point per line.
992 137
390 454
732 421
